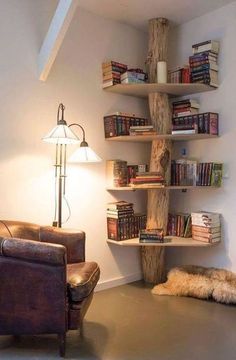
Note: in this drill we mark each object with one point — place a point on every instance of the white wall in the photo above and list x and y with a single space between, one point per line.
28 111
220 24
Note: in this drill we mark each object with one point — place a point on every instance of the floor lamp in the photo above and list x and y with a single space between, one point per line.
62 135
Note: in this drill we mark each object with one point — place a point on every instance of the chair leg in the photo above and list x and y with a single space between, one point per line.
62 344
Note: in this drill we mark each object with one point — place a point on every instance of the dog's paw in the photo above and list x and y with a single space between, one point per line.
161 289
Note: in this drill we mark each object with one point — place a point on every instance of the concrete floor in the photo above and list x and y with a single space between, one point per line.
129 323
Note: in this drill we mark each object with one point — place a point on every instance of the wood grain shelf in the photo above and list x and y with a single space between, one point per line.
149 138
142 90
155 187
169 241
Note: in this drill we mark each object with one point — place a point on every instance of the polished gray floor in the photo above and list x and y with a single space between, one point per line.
129 323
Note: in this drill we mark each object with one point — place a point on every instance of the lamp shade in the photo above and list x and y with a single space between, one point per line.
61 134
84 154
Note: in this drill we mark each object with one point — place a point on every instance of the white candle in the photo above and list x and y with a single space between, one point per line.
161 72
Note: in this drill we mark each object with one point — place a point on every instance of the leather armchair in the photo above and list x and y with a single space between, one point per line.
46 286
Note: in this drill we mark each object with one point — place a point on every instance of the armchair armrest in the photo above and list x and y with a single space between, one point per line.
52 254
73 240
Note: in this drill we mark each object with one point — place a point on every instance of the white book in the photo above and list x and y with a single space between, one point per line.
184 132
210 45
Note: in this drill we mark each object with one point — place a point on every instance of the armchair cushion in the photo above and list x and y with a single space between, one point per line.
30 250
81 279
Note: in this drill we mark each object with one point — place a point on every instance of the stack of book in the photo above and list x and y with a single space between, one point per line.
204 123
179 75
151 236
190 173
142 130
203 63
122 223
148 178
179 225
119 123
132 76
185 107
111 72
116 173
132 170
206 227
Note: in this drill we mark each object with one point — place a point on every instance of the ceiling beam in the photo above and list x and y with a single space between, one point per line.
55 35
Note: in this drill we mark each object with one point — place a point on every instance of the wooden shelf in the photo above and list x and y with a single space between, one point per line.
148 138
169 241
155 187
142 90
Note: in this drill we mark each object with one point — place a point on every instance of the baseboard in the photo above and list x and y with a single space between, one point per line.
108 284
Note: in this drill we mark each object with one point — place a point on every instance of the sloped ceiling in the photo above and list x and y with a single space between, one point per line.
137 12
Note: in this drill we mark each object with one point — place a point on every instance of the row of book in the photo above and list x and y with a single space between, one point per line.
179 225
122 222
121 123
206 227
186 172
203 63
204 123
179 75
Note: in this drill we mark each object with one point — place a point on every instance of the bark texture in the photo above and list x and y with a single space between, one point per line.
158 200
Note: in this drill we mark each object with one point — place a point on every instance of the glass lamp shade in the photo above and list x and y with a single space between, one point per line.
61 134
84 154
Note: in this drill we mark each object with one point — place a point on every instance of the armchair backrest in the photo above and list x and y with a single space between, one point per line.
19 229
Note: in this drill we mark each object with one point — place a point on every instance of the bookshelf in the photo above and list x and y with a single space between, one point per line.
156 187
143 90
152 255
170 241
150 138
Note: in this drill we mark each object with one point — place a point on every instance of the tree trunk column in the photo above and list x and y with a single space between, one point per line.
160 114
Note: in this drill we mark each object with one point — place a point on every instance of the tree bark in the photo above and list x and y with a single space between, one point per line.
158 200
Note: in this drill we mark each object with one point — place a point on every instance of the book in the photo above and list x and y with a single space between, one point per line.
151 235
120 205
184 132
110 83
209 45
141 128
116 173
203 65
204 55
206 240
217 174
115 64
207 230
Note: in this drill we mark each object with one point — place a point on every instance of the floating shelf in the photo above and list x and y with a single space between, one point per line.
142 90
155 187
169 241
148 138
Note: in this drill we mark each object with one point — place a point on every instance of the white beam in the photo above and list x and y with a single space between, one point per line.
55 35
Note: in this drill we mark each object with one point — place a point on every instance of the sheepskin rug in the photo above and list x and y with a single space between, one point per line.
199 282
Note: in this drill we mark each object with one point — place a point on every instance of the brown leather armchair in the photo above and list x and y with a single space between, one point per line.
46 286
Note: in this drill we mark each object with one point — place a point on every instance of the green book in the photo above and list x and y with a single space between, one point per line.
216 175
